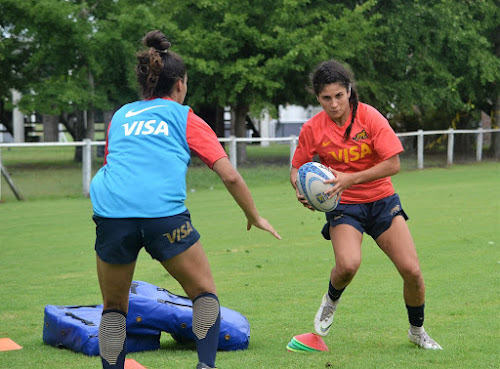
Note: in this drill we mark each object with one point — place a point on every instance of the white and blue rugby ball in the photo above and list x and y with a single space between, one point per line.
310 184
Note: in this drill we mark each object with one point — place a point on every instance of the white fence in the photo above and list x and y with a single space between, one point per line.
292 141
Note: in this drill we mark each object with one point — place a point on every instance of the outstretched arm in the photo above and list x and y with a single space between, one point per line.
241 194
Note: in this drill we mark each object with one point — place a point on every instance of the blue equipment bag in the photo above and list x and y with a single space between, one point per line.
77 328
152 307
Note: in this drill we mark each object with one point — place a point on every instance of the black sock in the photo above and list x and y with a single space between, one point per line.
416 315
206 327
333 292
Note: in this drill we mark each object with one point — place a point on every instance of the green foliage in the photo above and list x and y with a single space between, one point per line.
80 54
409 57
14 48
119 35
242 53
439 57
58 62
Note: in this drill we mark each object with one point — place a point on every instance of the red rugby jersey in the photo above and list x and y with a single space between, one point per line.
371 141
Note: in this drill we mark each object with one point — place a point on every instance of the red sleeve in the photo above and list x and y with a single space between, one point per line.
385 141
305 150
203 141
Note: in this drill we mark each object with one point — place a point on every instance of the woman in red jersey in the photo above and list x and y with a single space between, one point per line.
359 146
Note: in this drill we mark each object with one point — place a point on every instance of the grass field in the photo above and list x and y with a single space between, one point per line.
47 257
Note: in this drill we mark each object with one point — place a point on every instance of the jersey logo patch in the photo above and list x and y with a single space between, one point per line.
132 113
179 233
352 153
326 143
360 136
395 210
151 127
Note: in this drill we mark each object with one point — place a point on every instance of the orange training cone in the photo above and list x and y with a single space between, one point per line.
132 364
6 344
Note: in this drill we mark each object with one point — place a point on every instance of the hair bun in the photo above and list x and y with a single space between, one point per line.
157 40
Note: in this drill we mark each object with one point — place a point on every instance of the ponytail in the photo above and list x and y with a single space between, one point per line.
354 101
158 69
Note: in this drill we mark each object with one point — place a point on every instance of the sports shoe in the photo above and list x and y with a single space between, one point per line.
424 341
324 317
203 366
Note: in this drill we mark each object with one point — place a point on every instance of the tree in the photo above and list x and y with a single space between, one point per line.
417 60
79 58
252 54
14 52
55 77
439 57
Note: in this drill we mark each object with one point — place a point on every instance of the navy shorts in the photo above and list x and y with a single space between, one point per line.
374 218
119 240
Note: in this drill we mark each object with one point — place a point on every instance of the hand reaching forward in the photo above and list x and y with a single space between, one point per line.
263 224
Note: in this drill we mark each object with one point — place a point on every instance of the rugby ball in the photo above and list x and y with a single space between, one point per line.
310 184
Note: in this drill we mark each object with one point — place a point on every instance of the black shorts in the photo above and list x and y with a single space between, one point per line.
374 218
119 240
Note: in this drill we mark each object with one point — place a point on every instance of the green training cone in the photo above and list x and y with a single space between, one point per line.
299 345
292 349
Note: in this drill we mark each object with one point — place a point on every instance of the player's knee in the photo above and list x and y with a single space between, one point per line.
347 271
413 275
193 292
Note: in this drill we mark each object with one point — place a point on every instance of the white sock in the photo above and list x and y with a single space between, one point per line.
331 302
416 330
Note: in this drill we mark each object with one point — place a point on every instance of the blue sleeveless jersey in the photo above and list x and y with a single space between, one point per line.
144 175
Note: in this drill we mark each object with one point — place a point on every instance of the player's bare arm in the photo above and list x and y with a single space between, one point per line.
241 194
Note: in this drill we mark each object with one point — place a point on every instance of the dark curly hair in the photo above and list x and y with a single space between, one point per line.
332 71
158 69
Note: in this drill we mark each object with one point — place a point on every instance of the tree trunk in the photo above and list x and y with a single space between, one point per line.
84 128
220 130
50 128
495 119
90 128
79 133
6 117
106 116
238 128
88 122
214 116
495 123
90 131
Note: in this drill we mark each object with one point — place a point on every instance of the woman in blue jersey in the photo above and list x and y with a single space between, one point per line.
138 200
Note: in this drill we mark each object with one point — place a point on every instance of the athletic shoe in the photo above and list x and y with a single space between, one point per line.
424 341
203 366
324 317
